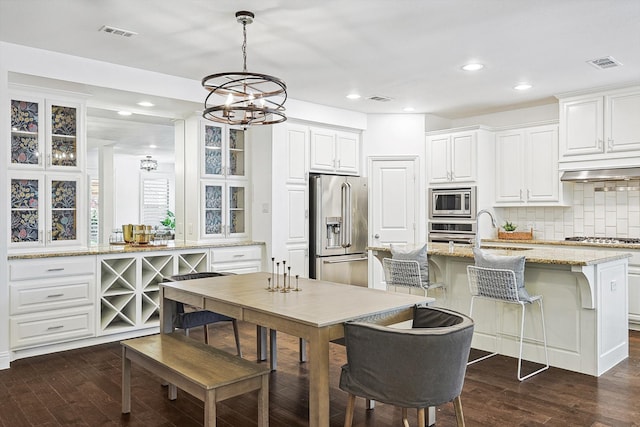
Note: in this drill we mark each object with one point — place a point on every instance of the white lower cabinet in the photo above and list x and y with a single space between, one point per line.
237 259
129 286
51 301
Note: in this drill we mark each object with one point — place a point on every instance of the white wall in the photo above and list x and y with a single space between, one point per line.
530 115
398 135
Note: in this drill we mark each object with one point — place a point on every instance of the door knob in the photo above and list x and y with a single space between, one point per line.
376 236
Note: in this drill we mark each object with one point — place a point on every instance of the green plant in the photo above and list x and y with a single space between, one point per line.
509 226
170 220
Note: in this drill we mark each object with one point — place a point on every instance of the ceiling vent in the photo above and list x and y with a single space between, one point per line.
379 98
117 31
604 63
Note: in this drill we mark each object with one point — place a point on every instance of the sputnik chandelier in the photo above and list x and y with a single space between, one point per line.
244 98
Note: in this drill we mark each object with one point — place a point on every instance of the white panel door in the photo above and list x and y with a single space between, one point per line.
393 202
393 196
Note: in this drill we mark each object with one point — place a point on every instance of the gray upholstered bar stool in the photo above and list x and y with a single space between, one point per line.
500 285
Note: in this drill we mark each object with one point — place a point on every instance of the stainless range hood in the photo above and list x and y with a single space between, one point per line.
618 174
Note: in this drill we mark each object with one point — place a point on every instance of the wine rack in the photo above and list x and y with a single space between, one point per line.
118 279
130 290
195 262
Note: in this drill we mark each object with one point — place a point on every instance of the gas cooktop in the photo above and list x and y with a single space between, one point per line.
604 240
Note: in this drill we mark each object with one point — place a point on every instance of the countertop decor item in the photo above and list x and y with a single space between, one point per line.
243 98
515 235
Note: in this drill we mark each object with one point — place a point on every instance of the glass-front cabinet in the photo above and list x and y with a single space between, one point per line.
46 185
45 210
45 134
223 212
223 151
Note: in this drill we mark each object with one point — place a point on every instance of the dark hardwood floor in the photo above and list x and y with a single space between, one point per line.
82 388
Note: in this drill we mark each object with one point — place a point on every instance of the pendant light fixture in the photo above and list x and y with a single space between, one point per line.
244 98
148 164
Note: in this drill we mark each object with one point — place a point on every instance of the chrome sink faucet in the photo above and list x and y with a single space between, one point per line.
493 223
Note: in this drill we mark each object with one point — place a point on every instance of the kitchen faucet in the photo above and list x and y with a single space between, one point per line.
493 223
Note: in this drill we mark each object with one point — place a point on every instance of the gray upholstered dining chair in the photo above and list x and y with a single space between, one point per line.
411 368
188 317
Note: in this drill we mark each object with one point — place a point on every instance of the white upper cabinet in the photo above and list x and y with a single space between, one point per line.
452 157
47 207
600 127
527 167
46 133
334 152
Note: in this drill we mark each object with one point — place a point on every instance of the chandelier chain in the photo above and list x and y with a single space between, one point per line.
244 45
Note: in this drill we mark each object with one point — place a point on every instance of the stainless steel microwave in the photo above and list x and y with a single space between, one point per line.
452 203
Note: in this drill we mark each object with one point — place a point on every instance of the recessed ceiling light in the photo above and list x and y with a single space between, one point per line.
408 109
124 113
146 104
522 86
353 96
474 66
153 146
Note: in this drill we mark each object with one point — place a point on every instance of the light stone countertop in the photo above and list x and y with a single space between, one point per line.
622 246
116 249
560 256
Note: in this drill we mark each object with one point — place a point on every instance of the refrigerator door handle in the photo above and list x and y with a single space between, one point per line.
346 232
344 260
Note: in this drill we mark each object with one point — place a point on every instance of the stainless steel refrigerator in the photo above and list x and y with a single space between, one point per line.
338 229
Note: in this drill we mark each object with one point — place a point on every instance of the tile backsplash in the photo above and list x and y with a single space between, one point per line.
592 213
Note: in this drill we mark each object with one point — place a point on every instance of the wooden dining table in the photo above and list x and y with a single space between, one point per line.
316 313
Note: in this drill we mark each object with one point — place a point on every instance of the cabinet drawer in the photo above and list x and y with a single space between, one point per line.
236 253
54 326
37 297
38 269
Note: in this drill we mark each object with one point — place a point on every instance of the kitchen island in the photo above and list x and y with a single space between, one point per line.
585 304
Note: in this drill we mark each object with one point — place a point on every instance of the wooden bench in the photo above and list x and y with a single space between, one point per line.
205 372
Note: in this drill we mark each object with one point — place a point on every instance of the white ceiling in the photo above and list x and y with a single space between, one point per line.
408 50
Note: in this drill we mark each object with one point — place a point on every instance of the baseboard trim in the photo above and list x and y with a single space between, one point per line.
4 360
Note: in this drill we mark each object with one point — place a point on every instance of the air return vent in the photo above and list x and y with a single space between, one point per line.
379 98
117 31
604 63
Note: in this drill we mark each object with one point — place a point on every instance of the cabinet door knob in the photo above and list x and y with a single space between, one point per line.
376 236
